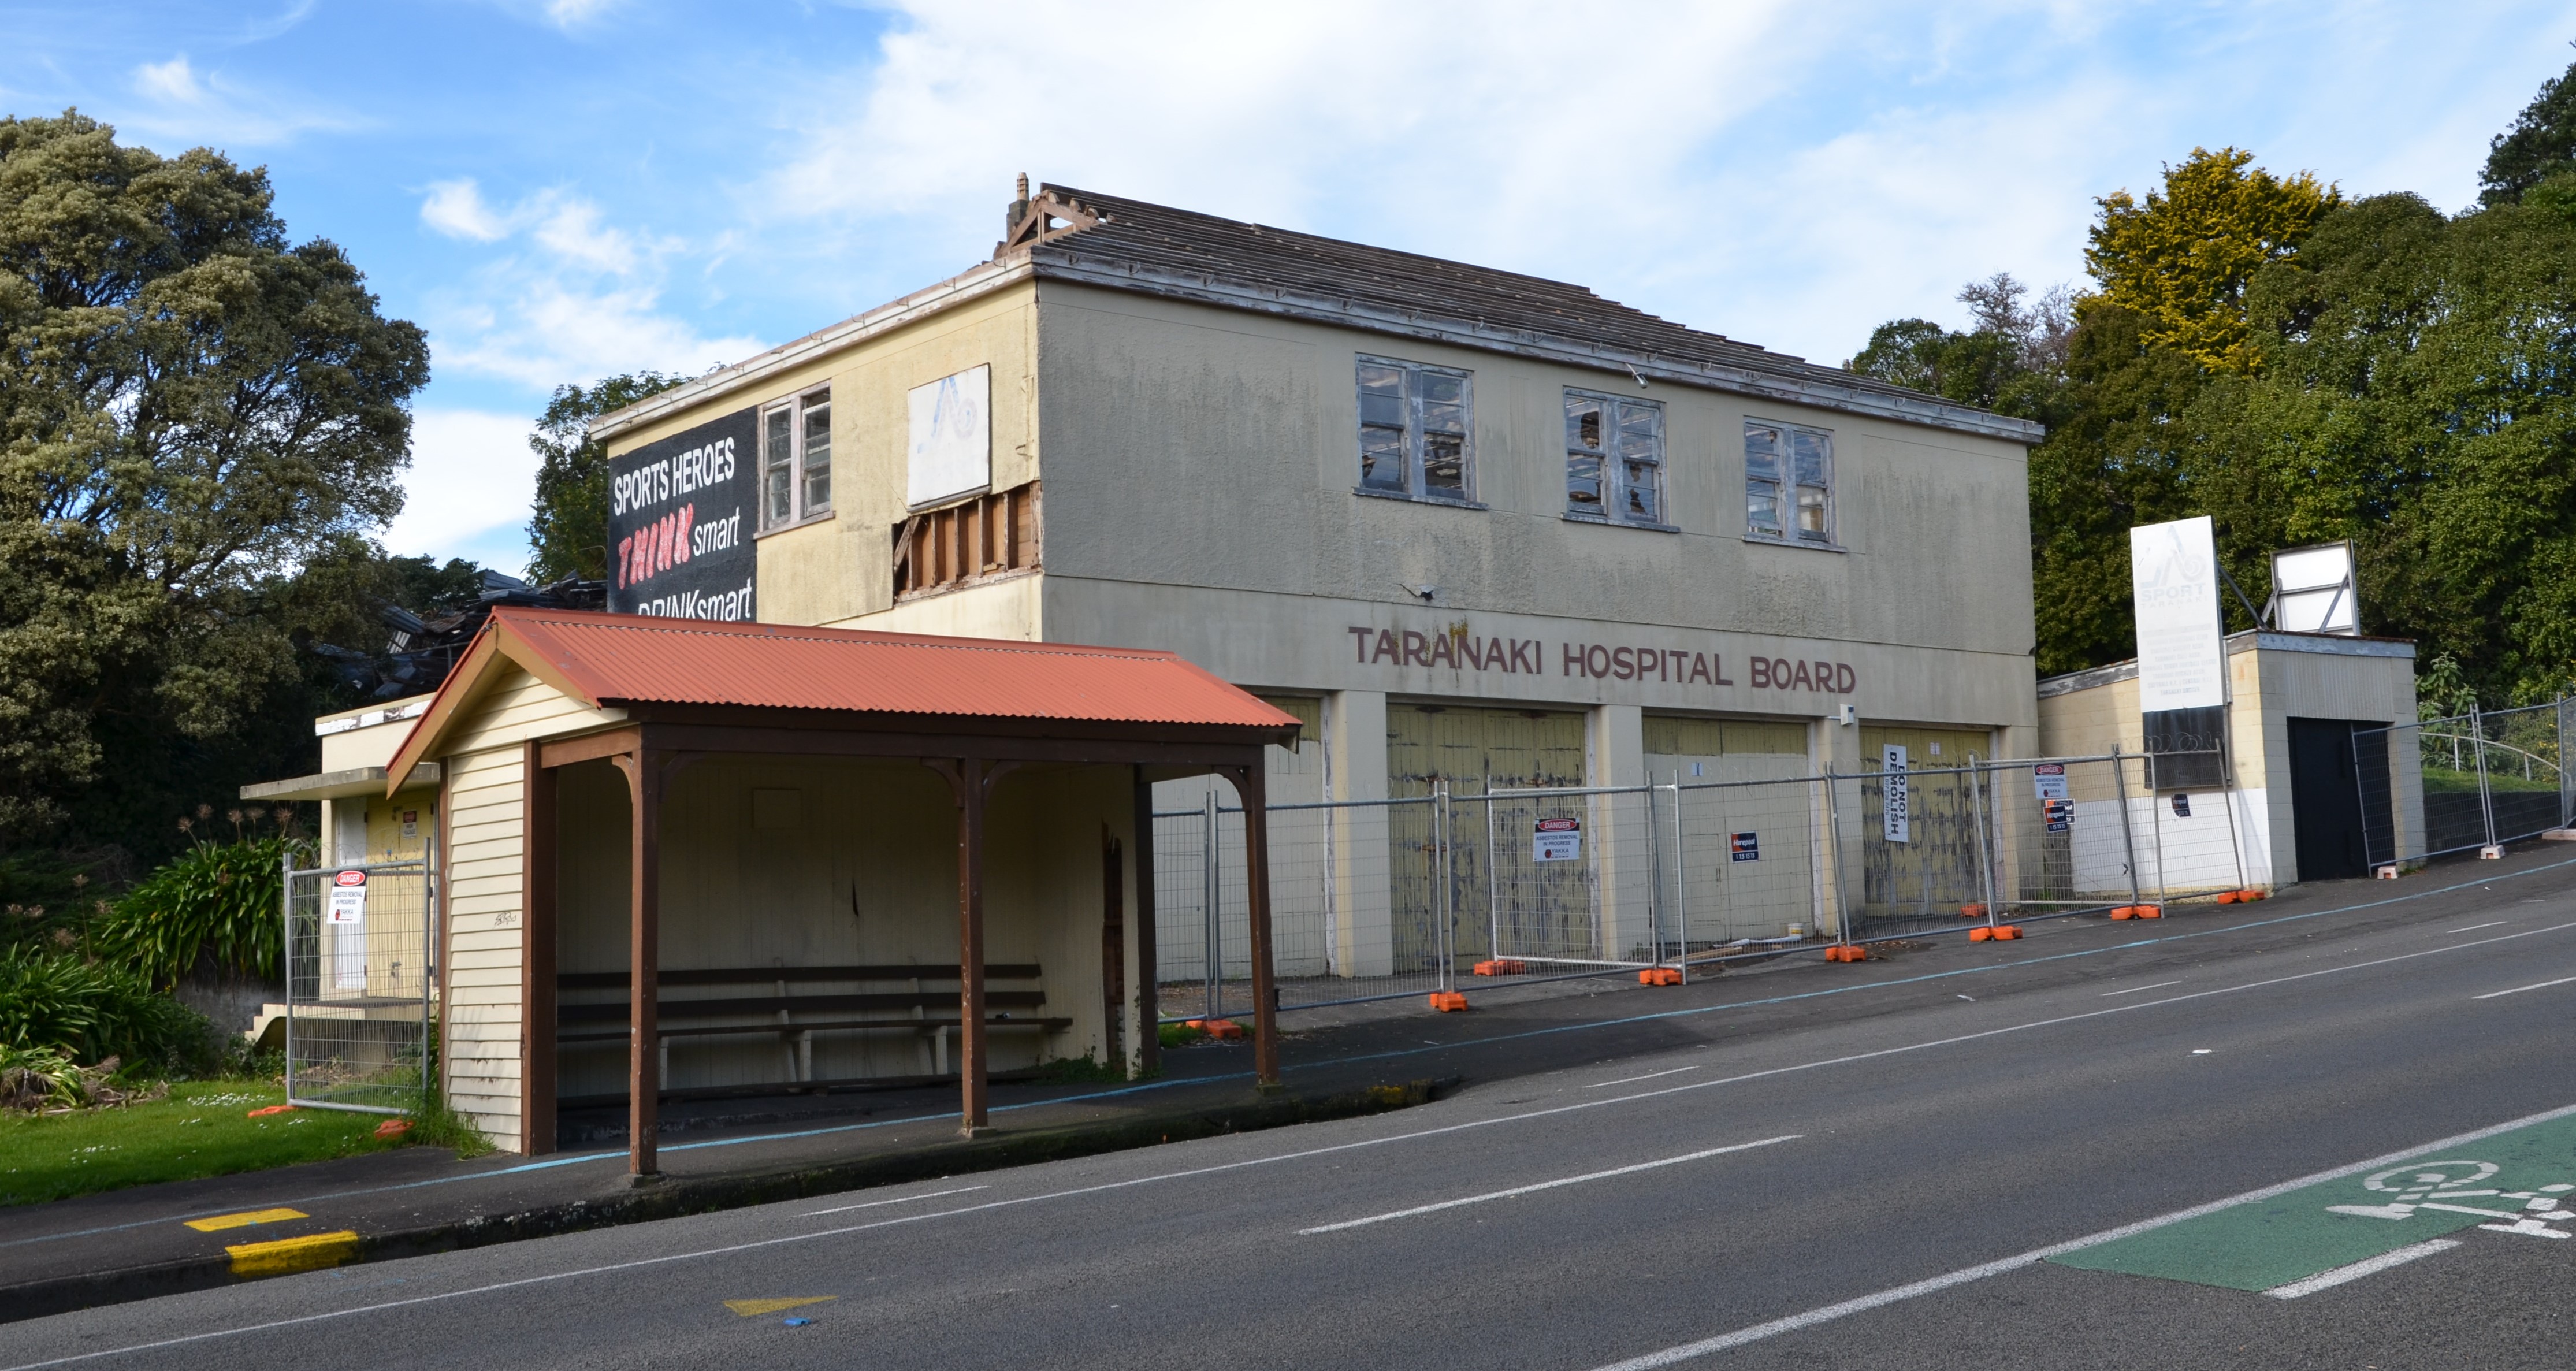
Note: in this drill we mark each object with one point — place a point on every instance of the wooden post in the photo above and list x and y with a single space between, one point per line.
972 778
1149 1005
537 886
644 960
1248 784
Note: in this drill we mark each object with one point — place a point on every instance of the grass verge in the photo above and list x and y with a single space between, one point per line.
200 1130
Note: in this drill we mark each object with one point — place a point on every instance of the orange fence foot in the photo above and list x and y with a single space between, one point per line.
1846 954
1972 911
1978 935
1660 975
1221 1028
2007 931
1448 1001
1500 966
2126 911
2148 911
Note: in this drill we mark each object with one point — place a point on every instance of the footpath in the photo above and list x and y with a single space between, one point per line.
156 1240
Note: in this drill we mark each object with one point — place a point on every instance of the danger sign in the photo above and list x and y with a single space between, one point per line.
1557 840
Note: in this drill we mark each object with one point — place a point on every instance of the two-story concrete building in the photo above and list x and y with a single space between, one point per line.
1430 506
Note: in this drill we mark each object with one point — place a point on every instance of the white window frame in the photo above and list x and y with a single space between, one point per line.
1616 483
808 473
1412 406
1790 488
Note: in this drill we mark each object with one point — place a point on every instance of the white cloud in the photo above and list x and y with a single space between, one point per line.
472 479
173 80
178 101
456 208
572 298
1791 175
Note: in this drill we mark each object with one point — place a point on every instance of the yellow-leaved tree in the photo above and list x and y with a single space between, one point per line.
2182 259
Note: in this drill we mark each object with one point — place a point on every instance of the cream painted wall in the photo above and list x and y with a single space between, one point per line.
480 1020
837 568
867 874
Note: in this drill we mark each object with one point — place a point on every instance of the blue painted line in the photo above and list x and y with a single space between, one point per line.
619 1154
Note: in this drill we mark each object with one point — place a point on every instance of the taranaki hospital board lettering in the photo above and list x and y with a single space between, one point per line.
680 523
1460 648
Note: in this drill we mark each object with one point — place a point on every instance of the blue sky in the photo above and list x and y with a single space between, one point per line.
560 191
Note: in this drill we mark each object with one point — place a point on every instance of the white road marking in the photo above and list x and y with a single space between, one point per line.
2475 927
878 1204
1544 1185
2132 990
2327 1280
1897 1294
2543 985
1647 1077
1938 1283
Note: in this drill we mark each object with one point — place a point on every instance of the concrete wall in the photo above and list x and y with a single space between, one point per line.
1200 466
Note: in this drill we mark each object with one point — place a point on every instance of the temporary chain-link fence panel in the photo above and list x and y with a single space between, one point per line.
1385 898
2462 783
358 980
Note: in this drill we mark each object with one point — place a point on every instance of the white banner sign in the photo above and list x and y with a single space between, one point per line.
2182 649
952 436
1899 826
1557 840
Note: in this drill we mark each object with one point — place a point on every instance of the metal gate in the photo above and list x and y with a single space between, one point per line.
358 978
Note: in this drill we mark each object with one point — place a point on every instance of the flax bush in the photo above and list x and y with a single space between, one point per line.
93 1010
215 904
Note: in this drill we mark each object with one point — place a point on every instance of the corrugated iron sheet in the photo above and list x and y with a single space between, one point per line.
624 657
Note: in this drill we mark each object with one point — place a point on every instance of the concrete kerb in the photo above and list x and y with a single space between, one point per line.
680 1196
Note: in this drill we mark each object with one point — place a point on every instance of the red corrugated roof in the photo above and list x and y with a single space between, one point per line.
624 657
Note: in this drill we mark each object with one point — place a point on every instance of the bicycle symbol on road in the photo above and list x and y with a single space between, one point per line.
2436 1185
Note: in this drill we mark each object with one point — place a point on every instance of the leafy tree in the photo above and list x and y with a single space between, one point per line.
2181 260
569 530
2541 142
193 412
2012 360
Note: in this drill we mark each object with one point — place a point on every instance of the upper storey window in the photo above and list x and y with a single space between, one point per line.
1788 483
1416 431
1614 459
796 459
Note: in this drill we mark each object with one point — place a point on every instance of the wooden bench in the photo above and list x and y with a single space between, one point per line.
906 1011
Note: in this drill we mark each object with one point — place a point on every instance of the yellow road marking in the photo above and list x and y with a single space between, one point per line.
288 1255
751 1309
221 1222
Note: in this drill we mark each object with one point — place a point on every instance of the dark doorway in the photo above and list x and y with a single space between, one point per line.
2326 800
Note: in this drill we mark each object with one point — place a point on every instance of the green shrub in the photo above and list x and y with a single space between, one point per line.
96 1010
216 902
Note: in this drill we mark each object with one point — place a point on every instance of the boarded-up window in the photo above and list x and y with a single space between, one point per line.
1678 735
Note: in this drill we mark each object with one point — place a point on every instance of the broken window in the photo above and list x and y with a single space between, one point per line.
796 460
1788 482
1614 459
1414 430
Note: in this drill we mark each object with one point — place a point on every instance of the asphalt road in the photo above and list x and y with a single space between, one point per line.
1870 1189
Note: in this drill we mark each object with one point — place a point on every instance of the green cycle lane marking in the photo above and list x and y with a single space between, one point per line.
2521 1183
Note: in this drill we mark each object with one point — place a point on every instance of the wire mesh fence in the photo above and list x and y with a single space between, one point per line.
1386 898
358 980
2471 781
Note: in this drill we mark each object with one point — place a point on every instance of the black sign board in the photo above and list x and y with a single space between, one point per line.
680 520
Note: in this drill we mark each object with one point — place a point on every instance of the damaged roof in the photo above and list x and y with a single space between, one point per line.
1088 238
